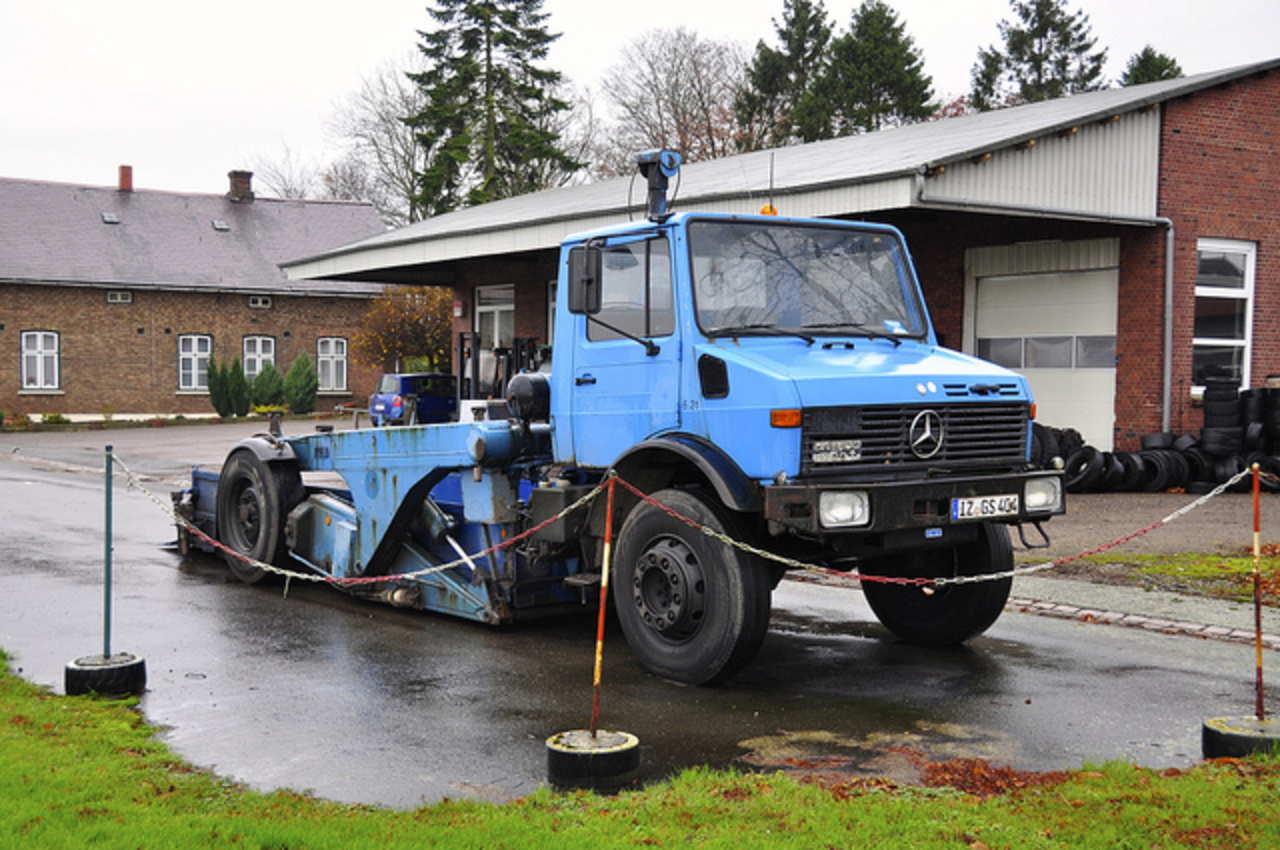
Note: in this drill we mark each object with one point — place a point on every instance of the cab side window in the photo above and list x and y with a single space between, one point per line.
635 291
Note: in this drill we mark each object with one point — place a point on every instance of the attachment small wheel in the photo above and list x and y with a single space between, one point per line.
254 500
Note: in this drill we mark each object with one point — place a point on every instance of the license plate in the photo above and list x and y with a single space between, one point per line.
836 451
984 507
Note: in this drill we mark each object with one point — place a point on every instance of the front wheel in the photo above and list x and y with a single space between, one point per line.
952 613
693 609
254 499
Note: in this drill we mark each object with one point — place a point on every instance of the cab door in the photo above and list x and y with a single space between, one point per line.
626 362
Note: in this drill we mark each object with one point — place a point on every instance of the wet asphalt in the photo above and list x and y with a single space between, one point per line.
305 688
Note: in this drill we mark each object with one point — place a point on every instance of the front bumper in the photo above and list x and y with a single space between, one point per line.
905 505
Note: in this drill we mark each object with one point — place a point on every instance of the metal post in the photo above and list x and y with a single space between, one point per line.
106 560
604 596
1257 586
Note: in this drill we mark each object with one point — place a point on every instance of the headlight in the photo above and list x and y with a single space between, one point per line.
1043 495
844 509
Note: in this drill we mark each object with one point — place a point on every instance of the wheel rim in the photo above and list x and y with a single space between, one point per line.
248 516
669 590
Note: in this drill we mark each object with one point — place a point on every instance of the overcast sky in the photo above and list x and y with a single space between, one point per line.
185 92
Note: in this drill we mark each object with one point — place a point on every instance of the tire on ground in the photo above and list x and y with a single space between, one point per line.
953 613
693 609
116 675
254 499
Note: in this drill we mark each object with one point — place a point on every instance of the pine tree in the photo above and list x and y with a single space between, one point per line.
876 77
1048 53
301 385
488 104
778 95
1150 66
267 388
217 380
237 388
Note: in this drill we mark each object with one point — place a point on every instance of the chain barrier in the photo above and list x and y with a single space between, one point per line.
925 583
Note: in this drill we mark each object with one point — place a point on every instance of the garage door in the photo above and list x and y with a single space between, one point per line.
1058 329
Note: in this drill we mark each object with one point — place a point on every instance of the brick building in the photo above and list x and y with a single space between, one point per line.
1116 247
114 301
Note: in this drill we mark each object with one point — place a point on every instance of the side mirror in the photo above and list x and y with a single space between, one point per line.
585 268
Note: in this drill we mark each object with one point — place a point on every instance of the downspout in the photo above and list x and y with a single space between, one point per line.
1167 396
1075 215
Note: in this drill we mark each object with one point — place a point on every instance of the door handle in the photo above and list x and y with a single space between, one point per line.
585 379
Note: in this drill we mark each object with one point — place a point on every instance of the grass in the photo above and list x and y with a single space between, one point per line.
1220 576
79 771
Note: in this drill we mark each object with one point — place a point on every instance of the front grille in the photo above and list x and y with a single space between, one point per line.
974 436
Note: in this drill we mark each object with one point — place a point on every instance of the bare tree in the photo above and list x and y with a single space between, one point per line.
288 176
370 122
673 89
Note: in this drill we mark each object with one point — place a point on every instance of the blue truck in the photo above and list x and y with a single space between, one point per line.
773 381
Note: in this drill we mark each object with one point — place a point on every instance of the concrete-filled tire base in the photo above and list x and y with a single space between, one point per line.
1237 737
116 675
604 763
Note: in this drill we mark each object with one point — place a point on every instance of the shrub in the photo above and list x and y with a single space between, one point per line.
237 389
267 387
301 385
54 419
219 397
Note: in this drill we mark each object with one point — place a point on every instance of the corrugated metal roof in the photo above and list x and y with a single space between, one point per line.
802 174
82 235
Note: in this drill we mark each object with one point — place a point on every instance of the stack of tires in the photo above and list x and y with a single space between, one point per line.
1240 429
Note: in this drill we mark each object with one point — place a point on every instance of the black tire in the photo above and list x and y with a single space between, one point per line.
117 675
1270 467
1069 441
1135 471
1156 465
1159 440
1083 470
1221 442
1185 443
693 609
254 500
1112 474
1200 463
953 613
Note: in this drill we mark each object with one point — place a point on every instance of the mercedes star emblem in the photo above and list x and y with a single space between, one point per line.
925 434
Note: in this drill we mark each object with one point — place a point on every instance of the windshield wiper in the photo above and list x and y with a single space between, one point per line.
862 330
771 328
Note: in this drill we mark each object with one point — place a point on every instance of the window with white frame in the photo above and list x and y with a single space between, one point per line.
194 351
258 352
40 360
331 363
1223 330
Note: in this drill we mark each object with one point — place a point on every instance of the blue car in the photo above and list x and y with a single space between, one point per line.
414 398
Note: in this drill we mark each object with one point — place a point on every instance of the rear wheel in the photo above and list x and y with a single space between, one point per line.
254 499
952 613
693 609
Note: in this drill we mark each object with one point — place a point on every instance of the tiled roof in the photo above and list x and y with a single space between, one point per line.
83 235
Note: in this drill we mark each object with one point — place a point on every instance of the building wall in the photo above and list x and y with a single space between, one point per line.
1220 178
123 358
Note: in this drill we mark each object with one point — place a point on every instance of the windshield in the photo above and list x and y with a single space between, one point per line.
760 278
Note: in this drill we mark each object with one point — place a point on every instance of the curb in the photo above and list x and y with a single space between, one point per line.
1137 621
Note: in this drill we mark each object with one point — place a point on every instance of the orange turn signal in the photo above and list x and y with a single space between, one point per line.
1033 410
784 418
